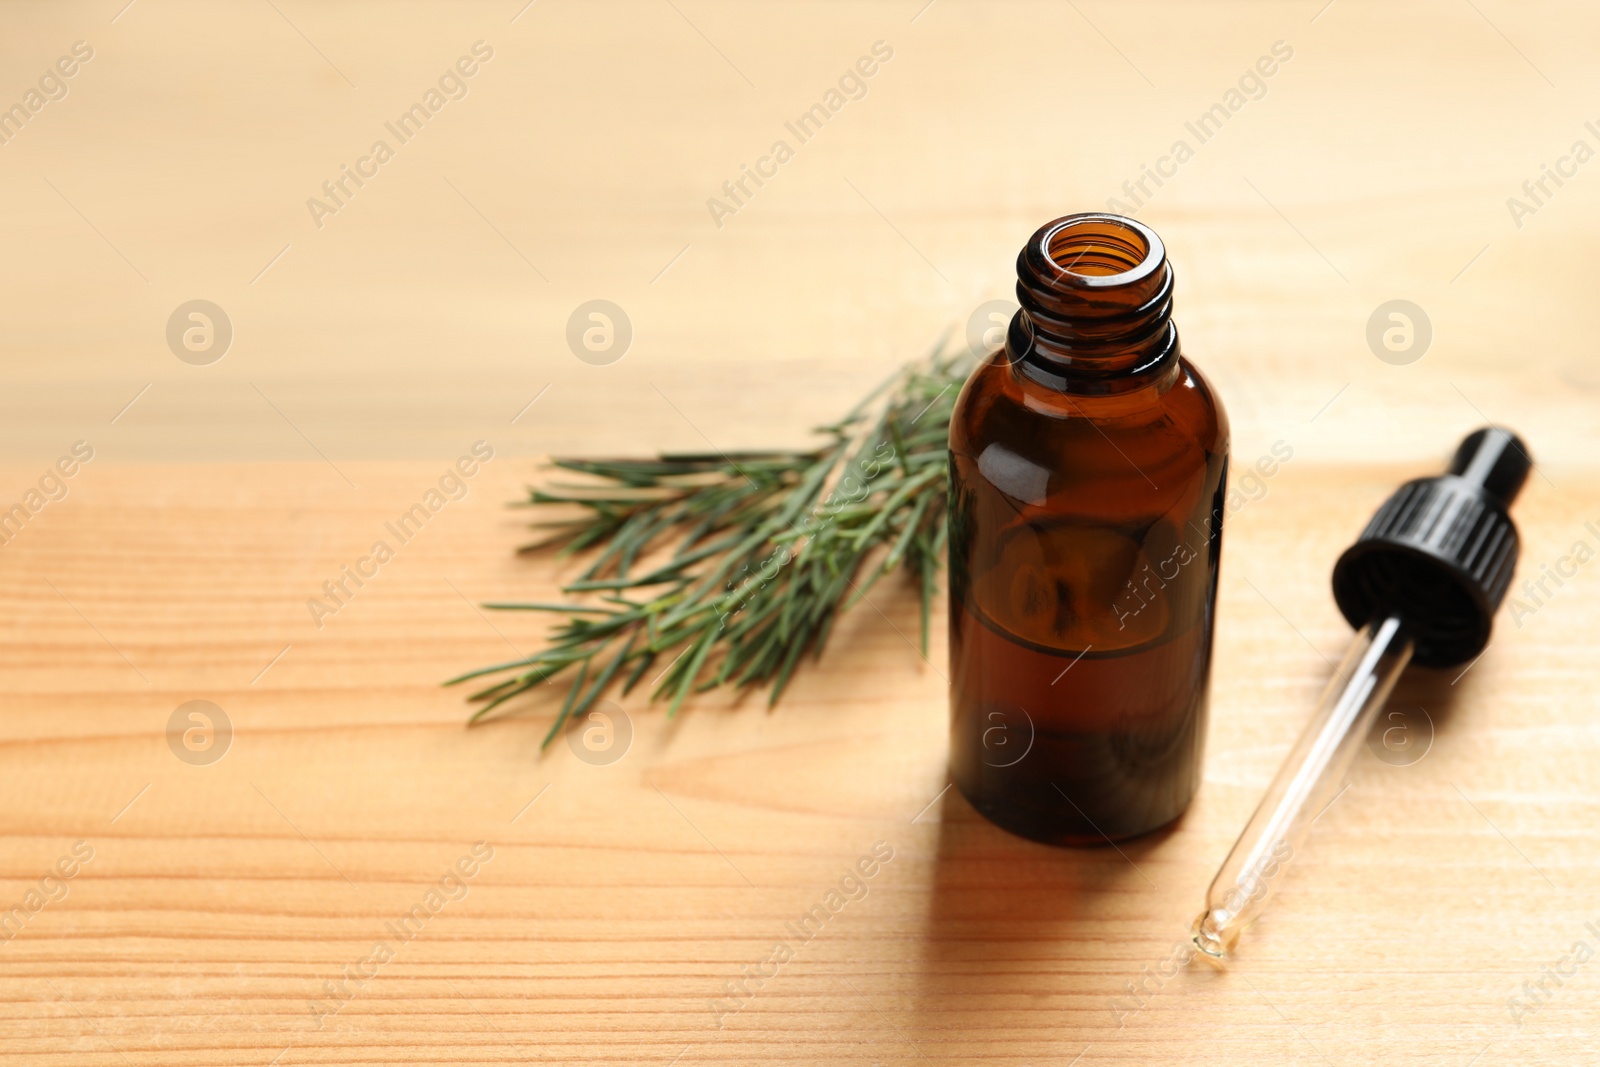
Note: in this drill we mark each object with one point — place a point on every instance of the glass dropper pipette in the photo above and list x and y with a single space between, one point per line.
1306 784
1423 581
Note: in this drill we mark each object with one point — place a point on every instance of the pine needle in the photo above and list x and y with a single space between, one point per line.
771 547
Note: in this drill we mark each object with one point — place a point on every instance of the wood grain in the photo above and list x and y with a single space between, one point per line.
622 899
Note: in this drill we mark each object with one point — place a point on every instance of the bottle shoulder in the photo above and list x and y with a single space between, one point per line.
1180 412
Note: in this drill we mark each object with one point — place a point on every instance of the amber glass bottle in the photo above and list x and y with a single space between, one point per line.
1088 466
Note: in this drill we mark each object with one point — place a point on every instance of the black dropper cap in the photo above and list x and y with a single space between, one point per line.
1440 552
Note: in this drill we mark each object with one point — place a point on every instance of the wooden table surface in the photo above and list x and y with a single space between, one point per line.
359 879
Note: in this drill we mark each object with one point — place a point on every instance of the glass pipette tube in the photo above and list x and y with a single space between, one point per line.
1307 782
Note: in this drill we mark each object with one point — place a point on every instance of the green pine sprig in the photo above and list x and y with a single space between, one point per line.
767 550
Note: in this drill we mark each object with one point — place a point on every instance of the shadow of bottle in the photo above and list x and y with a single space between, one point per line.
1025 945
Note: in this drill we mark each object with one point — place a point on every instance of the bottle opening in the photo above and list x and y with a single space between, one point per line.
1096 296
1098 247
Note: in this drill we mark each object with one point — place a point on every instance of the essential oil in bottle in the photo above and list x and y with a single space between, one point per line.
1088 465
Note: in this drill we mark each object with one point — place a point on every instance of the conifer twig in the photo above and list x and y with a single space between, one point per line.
767 549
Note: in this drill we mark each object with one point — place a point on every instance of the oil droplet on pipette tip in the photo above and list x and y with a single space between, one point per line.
1210 939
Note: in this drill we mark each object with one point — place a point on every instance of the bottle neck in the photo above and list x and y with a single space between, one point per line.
1096 314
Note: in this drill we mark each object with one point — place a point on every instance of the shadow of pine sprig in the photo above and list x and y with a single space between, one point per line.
771 547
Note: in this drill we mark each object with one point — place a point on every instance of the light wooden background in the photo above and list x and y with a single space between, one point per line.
432 308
